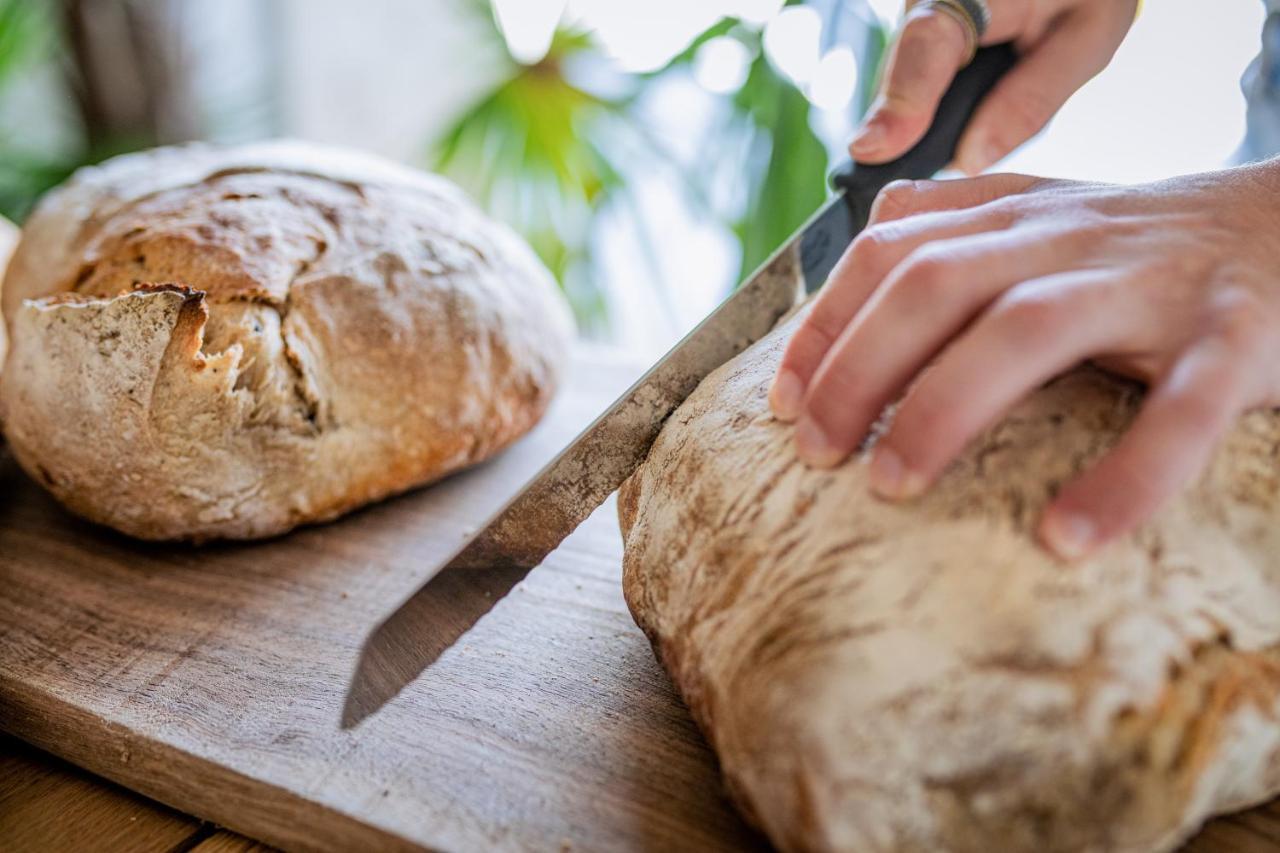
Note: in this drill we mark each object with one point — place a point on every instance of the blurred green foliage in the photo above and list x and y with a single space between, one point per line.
530 153
792 183
539 150
30 33
544 155
785 169
26 35
22 29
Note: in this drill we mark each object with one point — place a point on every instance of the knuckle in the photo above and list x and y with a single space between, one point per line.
869 248
1196 263
805 349
1199 409
924 277
1244 334
835 386
928 28
897 199
1095 223
1241 321
817 335
827 306
832 400
1005 212
1079 234
1024 112
1025 320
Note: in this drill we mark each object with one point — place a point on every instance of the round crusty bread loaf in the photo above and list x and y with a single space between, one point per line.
230 342
924 677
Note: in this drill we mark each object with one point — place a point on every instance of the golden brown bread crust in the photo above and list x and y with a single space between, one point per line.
230 342
923 677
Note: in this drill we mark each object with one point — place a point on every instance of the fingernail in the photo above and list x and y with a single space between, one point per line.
786 396
891 479
1070 535
813 446
868 139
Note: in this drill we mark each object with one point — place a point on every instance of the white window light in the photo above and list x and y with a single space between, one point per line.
721 64
528 26
791 41
834 80
755 12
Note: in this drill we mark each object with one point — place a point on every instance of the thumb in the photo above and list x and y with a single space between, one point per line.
929 50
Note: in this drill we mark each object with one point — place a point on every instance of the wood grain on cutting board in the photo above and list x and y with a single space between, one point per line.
211 679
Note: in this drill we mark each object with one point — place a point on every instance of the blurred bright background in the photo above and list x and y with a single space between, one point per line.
650 152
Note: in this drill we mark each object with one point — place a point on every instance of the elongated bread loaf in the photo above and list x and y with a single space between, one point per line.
922 676
230 342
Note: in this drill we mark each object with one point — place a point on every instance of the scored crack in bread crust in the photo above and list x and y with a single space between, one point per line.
922 676
215 342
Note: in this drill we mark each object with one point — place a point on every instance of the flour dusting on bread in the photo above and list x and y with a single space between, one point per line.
228 342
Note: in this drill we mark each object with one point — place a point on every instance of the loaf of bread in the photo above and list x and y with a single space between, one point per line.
215 342
922 676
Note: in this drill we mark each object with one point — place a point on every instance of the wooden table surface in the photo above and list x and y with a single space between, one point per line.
47 806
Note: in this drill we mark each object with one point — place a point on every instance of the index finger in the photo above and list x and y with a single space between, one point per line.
871 256
929 50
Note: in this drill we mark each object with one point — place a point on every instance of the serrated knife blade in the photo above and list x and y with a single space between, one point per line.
573 484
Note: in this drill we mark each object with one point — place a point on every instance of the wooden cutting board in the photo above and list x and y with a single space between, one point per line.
212 678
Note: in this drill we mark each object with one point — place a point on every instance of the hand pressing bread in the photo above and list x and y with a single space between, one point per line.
231 342
962 297
920 676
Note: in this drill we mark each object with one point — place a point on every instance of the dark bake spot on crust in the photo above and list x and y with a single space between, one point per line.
305 266
86 272
330 215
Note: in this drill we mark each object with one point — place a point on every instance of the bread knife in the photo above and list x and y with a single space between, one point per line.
572 485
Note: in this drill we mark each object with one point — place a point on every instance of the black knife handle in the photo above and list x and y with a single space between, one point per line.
936 149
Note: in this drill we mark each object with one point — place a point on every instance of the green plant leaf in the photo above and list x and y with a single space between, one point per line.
25 30
792 182
530 153
544 155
